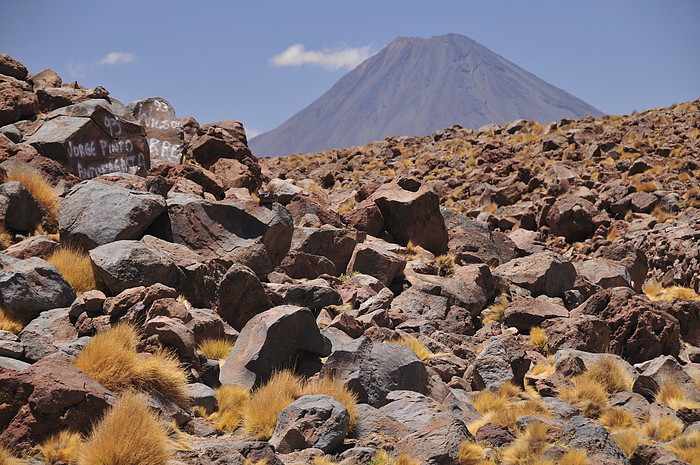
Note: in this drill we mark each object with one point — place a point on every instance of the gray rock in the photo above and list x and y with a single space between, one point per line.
18 208
311 421
240 296
357 456
275 339
633 403
236 230
125 264
590 435
502 359
13 364
29 287
372 369
541 273
661 369
565 359
10 345
604 273
95 213
560 409
314 294
282 191
203 396
435 435
42 336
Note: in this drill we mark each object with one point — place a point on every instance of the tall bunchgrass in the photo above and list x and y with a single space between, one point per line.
76 267
6 457
112 360
528 446
687 447
61 448
129 434
5 237
416 346
232 401
10 322
216 348
41 190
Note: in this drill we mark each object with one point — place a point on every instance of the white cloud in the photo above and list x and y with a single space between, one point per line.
114 58
252 132
79 70
332 59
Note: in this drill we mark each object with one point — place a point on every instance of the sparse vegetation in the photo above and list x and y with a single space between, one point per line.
336 388
5 237
129 434
671 394
446 264
655 292
629 440
588 395
76 267
9 322
617 420
6 458
687 447
538 338
216 348
63 448
528 446
495 311
111 358
267 401
232 401
470 454
416 346
662 429
41 190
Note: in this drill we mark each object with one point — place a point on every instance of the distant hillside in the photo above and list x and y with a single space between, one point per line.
417 86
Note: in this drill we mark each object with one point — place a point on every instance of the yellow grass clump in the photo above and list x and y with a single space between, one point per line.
587 395
41 190
111 359
495 311
9 322
231 401
505 406
323 460
617 420
538 338
610 374
662 429
470 454
671 394
687 447
6 458
446 264
76 266
411 252
629 440
416 346
405 459
381 458
574 457
129 434
267 401
528 446
656 291
5 237
216 348
63 447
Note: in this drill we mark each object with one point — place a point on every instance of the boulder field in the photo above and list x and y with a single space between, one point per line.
466 287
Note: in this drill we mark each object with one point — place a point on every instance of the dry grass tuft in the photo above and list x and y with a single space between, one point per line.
183 300
656 292
538 338
111 359
323 460
662 429
528 446
505 406
405 459
41 190
574 457
661 215
587 395
232 401
610 374
63 447
446 264
542 370
216 348
612 234
687 447
76 266
335 388
671 394
6 458
5 237
470 454
9 322
129 434
495 311
629 440
411 252
618 421
416 346
381 458
266 402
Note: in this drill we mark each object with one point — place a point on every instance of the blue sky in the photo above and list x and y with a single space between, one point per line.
215 60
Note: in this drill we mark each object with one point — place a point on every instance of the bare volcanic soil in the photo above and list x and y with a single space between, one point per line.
518 294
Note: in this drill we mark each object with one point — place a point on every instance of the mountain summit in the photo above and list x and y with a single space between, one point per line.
416 86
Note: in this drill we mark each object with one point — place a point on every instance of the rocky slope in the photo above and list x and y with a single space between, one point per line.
516 294
417 86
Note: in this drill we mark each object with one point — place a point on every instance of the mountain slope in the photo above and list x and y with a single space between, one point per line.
416 86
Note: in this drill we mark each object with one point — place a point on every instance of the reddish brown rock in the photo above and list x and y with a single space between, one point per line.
234 174
313 209
225 139
584 332
172 173
528 312
335 244
366 216
240 296
11 67
640 330
412 216
604 273
572 217
51 395
541 273
16 100
496 435
374 260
